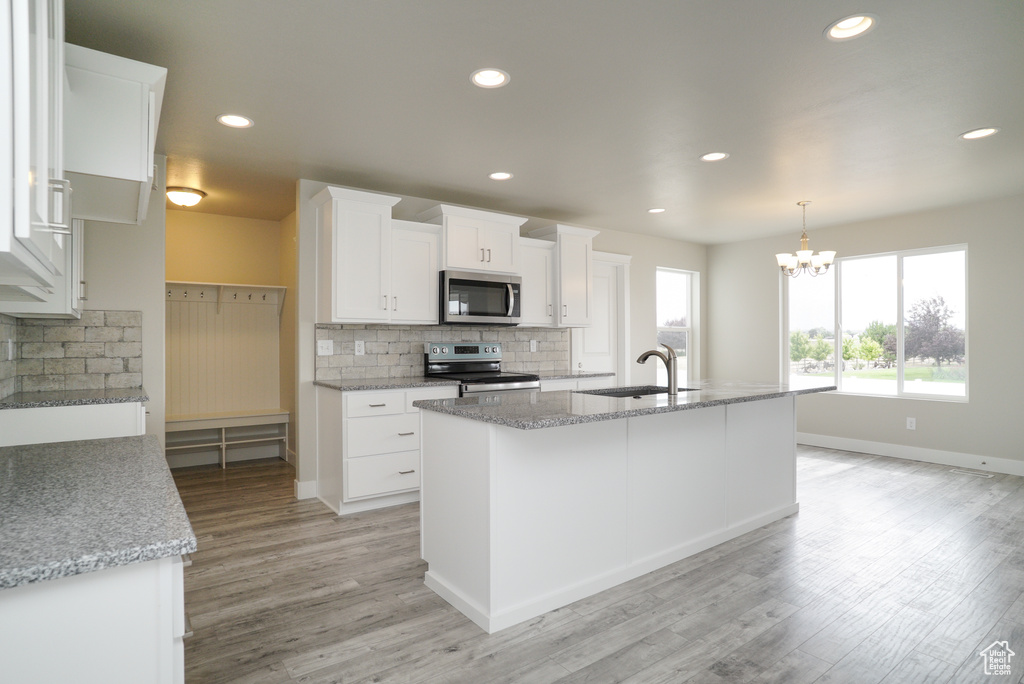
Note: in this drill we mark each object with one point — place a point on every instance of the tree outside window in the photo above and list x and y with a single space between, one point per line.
674 306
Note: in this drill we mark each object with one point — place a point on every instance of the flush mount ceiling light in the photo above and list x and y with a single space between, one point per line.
979 133
714 156
500 175
805 260
656 210
235 120
851 27
490 78
185 197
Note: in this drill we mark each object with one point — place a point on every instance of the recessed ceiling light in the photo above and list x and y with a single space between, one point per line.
979 133
714 156
656 210
235 120
500 175
490 78
851 27
185 197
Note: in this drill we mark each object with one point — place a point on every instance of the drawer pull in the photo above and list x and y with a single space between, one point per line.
377 405
405 434
406 472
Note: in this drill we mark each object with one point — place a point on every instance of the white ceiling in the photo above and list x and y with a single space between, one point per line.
610 104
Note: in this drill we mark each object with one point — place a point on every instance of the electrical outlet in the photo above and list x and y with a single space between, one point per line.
324 347
10 350
533 345
911 423
360 347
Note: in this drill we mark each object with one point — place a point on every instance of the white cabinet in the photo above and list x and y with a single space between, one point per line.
33 194
574 384
368 446
537 260
65 299
111 112
476 240
573 273
38 425
374 269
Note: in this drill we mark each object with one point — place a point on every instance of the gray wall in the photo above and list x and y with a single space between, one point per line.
745 336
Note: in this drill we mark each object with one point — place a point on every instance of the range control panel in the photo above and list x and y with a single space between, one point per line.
463 351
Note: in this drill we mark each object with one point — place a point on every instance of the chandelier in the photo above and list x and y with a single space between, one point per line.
805 260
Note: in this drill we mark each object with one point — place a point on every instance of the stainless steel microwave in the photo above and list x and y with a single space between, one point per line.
481 298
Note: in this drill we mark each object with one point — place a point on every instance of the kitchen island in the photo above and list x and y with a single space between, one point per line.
530 501
91 538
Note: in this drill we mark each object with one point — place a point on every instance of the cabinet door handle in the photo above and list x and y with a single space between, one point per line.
63 187
377 405
549 309
82 290
406 472
481 254
385 307
405 434
488 255
565 309
394 307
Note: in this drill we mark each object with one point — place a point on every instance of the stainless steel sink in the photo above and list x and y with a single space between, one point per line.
633 392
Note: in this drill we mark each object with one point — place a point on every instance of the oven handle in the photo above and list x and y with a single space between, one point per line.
511 299
474 388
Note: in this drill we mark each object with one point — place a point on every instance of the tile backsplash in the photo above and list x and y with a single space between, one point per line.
396 351
101 350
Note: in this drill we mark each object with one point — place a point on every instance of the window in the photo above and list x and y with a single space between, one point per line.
896 323
674 294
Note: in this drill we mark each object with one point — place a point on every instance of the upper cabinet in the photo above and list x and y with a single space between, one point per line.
33 195
573 273
111 111
65 298
476 240
373 269
538 273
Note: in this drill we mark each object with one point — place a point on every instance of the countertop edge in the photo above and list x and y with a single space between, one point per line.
19 400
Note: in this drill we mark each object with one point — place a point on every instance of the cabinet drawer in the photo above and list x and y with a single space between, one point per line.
382 474
383 435
431 393
374 403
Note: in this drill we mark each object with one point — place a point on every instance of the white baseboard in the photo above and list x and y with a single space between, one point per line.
1007 466
305 490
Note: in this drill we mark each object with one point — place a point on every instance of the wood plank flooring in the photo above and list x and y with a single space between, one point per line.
893 571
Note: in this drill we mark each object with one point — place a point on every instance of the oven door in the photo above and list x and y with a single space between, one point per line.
480 298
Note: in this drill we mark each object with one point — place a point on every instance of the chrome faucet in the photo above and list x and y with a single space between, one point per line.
670 365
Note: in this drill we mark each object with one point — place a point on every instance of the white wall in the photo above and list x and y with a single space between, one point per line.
124 270
745 336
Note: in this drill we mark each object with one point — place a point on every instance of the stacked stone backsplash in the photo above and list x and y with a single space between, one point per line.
8 367
101 350
396 351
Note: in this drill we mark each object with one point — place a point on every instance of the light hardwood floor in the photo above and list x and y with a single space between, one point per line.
893 571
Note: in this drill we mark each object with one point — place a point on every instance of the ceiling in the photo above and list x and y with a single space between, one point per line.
609 106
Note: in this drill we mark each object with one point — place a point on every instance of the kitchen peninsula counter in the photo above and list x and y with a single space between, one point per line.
530 501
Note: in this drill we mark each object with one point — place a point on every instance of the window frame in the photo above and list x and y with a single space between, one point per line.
837 352
691 318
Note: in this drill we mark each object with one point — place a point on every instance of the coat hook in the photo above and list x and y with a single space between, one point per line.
234 296
250 296
186 294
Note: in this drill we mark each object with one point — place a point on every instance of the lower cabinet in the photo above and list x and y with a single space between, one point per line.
120 625
368 446
574 384
42 424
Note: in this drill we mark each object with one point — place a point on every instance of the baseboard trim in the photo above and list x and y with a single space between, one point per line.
1006 466
305 490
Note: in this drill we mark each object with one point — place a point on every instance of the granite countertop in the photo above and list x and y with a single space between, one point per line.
535 410
360 384
73 398
70 508
422 381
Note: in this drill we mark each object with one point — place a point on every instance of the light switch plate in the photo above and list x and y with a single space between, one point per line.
324 347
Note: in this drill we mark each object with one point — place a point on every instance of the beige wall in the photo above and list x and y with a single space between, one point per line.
745 335
209 248
124 271
289 264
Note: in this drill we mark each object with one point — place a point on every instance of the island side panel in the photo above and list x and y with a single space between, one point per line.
761 458
455 517
559 525
677 484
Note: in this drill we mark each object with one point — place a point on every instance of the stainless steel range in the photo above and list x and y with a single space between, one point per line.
477 367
